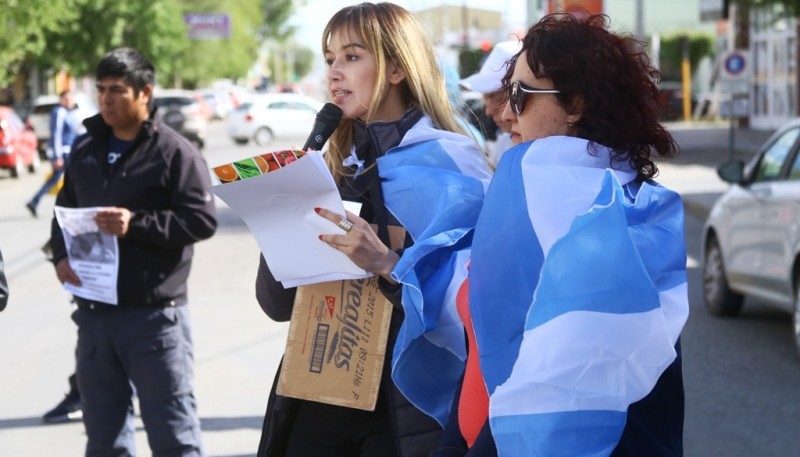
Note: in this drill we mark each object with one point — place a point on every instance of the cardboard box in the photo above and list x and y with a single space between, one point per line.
337 344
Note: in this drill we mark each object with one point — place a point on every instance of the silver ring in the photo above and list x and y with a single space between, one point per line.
345 225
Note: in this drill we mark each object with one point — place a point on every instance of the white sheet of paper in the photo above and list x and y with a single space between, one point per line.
92 254
278 208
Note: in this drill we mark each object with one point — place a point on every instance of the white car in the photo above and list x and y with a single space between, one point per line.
39 118
265 117
751 240
219 102
181 110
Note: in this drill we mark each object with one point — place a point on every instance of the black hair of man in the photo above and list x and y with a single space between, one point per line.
129 64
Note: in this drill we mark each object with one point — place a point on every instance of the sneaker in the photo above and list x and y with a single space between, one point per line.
31 209
70 409
47 250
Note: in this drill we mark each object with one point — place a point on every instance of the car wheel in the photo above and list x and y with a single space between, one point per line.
263 136
18 169
241 141
720 299
34 166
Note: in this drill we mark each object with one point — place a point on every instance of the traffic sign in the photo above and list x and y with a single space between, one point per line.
734 108
734 76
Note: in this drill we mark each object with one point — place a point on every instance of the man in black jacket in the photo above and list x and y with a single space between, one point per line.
151 185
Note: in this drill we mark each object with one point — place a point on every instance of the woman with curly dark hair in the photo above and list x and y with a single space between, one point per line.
576 292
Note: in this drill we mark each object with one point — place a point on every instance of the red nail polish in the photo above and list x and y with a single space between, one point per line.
320 237
316 210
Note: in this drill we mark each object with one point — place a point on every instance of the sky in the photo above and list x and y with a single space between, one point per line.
311 18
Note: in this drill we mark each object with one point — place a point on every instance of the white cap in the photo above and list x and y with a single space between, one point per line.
489 78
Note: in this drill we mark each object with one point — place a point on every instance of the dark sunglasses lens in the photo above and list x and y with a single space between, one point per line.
517 98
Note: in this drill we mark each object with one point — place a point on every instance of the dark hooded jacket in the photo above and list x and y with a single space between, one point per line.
163 180
415 434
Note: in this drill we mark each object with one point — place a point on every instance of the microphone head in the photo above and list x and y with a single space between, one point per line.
327 120
331 112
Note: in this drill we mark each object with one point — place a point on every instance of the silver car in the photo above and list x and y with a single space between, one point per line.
181 110
265 117
751 240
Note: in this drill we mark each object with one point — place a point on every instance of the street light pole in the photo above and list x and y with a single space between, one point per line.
640 19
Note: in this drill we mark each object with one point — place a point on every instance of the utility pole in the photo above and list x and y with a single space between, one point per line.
465 24
640 19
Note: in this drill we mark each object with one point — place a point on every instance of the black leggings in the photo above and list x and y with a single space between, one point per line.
322 430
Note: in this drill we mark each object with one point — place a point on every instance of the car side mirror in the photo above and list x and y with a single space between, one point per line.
732 172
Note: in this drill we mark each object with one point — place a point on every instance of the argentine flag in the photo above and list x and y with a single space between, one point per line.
577 293
434 183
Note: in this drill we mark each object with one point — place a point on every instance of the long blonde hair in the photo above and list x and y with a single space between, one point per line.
391 34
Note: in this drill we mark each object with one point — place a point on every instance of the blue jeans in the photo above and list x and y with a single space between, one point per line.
51 182
149 349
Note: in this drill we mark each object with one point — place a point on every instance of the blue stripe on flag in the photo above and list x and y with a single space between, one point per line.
580 273
573 433
432 195
426 190
500 296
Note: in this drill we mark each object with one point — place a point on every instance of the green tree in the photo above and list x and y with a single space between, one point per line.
276 18
206 60
791 8
154 27
671 55
252 23
303 61
23 28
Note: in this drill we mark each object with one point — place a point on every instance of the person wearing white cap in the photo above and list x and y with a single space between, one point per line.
488 81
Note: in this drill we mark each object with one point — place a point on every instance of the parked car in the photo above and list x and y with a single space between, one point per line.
18 144
181 110
39 117
751 240
265 117
220 102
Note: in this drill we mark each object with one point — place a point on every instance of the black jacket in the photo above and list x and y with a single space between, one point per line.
163 180
415 434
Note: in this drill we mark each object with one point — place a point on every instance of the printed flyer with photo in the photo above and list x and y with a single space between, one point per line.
93 255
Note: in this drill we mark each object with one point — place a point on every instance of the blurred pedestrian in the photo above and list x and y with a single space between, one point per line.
488 81
63 128
576 294
397 126
152 184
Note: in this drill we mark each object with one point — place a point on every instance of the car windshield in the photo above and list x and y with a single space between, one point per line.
46 108
167 101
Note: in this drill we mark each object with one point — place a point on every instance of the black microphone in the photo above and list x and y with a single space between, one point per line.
326 122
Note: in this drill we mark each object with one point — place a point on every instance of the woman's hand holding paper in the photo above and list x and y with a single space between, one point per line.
360 243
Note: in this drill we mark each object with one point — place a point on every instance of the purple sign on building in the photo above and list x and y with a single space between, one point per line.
208 26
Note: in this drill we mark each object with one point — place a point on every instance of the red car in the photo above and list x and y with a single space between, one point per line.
18 144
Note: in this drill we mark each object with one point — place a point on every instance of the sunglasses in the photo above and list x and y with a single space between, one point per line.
518 95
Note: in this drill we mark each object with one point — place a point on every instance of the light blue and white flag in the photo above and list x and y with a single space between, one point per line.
597 265
577 295
433 183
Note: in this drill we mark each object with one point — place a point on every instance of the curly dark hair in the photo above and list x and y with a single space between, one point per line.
608 79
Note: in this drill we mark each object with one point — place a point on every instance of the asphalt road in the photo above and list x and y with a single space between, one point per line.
741 374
